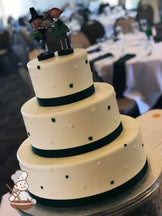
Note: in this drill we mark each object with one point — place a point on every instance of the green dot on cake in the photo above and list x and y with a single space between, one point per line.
86 61
90 138
38 67
28 134
142 145
108 107
67 176
53 120
112 182
125 145
41 187
71 85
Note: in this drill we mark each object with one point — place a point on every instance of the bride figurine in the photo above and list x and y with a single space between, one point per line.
59 29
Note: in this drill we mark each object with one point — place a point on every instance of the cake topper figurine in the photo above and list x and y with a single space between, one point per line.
39 31
54 35
59 29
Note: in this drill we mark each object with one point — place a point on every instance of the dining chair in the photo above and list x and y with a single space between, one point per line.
4 40
125 23
122 3
128 107
145 11
79 40
158 27
93 30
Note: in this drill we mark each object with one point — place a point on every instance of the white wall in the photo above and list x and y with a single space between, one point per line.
17 8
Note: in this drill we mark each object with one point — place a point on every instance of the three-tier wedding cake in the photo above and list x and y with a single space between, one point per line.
79 148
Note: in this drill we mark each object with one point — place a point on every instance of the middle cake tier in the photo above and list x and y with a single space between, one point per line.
74 128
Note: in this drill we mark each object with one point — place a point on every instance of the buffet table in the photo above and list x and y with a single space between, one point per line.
151 127
143 72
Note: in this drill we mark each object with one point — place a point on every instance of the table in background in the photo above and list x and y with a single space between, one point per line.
143 72
108 19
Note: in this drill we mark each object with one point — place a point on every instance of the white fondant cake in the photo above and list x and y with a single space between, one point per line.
79 146
86 174
72 125
61 75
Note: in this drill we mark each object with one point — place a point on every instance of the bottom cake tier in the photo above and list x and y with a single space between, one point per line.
90 176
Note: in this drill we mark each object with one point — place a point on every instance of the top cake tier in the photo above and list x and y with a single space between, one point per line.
61 80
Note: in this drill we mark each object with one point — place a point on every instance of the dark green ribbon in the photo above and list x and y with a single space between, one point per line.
95 198
119 75
99 58
96 73
81 149
47 102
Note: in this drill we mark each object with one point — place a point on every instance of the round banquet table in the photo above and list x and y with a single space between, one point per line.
143 72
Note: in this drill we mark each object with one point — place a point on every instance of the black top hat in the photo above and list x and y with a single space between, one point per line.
34 14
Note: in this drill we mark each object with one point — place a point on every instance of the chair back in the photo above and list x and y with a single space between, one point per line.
4 40
122 3
158 28
79 40
125 24
93 30
146 12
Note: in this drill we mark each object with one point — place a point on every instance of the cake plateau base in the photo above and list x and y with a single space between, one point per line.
143 199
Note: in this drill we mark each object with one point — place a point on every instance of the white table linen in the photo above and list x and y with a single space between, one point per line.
108 20
143 72
151 130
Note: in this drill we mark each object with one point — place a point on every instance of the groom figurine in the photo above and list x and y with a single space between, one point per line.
39 31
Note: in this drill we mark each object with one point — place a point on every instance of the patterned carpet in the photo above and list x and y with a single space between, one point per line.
13 93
